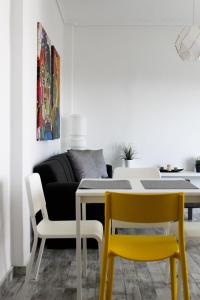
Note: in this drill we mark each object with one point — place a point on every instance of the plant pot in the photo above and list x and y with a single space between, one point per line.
197 168
128 163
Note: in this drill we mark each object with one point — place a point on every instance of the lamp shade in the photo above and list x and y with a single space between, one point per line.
188 43
78 131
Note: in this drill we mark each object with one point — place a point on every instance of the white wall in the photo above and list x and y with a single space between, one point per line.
131 85
67 103
5 261
25 148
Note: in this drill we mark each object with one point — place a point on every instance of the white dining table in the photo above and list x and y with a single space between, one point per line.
84 196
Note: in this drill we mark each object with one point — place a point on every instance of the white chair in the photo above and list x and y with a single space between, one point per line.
192 230
131 173
52 229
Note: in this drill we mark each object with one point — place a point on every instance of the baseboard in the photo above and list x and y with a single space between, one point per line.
19 271
4 283
13 272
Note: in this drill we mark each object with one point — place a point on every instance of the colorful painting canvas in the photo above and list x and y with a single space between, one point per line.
44 103
55 92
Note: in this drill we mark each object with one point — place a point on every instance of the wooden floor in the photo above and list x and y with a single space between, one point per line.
139 281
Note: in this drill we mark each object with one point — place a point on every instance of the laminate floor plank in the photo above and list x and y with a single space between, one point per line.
132 280
132 289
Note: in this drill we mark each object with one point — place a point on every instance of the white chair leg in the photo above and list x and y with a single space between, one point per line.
167 231
39 258
113 229
29 267
100 250
84 257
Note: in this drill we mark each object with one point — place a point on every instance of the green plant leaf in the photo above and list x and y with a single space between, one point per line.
128 152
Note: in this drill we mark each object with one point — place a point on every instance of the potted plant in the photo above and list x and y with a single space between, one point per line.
128 154
197 164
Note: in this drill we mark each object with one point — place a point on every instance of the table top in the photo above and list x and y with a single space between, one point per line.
137 187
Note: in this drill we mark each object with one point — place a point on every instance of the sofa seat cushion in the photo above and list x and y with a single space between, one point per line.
88 163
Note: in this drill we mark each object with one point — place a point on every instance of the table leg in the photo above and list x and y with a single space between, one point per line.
190 213
84 243
78 249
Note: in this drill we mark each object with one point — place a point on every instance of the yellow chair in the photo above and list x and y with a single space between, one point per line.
143 208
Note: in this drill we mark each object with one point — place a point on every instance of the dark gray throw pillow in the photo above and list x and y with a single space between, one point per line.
88 163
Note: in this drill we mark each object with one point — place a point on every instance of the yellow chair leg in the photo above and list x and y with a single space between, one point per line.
103 276
173 278
110 277
186 290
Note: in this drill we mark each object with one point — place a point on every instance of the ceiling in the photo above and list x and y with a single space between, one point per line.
128 12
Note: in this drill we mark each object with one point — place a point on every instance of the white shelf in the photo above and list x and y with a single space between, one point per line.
182 174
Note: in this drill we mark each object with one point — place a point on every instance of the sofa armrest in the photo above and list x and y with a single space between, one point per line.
60 200
109 170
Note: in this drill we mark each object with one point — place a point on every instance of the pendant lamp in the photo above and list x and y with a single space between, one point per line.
188 42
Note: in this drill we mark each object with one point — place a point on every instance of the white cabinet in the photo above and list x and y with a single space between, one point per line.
193 177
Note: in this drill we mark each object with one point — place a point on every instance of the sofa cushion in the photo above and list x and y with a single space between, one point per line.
55 169
88 163
99 162
65 165
83 164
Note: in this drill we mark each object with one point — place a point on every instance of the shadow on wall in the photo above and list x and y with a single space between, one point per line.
3 266
190 164
117 161
65 134
116 153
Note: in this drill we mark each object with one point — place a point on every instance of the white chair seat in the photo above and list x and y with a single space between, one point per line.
67 229
121 224
191 230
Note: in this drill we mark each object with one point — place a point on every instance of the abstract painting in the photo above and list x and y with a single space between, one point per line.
55 92
44 103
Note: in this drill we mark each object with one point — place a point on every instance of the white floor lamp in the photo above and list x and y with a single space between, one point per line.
78 132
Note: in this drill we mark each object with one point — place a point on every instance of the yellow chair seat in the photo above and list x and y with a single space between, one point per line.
143 248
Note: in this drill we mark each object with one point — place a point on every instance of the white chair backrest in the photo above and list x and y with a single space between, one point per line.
128 173
35 195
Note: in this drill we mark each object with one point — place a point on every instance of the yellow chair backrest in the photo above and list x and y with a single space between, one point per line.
144 208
